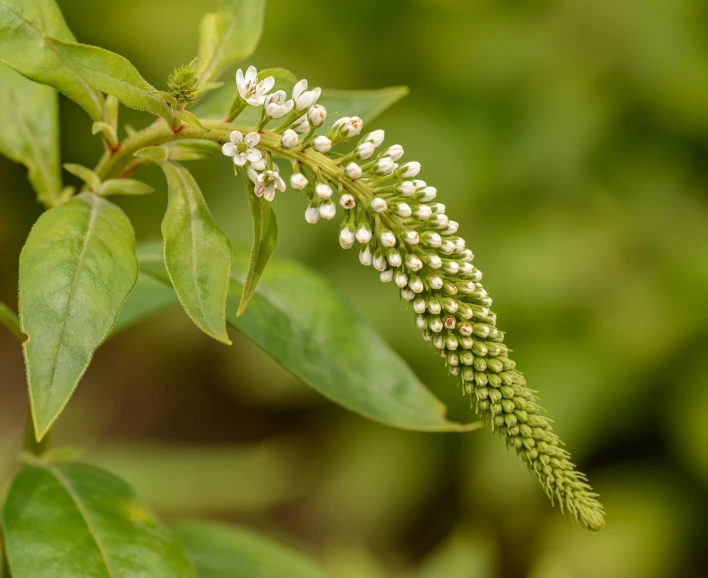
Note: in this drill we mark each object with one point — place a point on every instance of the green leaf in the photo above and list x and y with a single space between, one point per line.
85 174
76 269
76 521
113 74
221 551
229 36
148 297
366 104
29 117
305 325
185 150
265 235
124 187
11 322
23 26
197 253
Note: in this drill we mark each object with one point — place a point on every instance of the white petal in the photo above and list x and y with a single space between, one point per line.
299 88
239 159
259 165
229 149
239 78
259 190
252 139
236 137
279 183
269 194
253 155
251 74
266 84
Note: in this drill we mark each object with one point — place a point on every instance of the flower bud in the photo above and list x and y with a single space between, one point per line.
378 205
434 261
347 201
290 139
407 294
419 305
402 209
440 221
365 150
328 210
380 261
317 114
435 282
386 276
447 247
452 227
363 233
415 284
413 262
346 237
394 258
323 191
298 181
312 214
434 306
465 329
351 128
322 144
411 238
422 212
428 194
394 152
435 324
385 166
365 256
388 239
466 256
408 170
439 341
304 98
401 279
450 305
431 239
406 188
451 267
301 125
375 138
421 321
276 106
353 171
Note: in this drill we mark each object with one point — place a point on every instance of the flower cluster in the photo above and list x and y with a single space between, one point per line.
406 235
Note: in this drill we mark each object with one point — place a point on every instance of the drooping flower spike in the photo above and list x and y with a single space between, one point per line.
406 235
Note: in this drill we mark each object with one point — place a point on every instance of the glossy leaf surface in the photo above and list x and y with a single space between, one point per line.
76 521
76 269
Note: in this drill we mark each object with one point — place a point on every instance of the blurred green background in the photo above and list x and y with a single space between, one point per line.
570 139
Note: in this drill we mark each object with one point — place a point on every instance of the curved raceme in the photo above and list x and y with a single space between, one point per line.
406 235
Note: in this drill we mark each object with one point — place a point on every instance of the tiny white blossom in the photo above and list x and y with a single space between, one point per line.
465 329
437 208
363 233
312 214
298 181
432 239
413 262
429 193
322 144
467 256
376 138
434 261
323 190
406 188
353 171
328 210
386 276
317 114
435 282
400 279
436 325
407 294
452 227
388 239
422 212
466 268
378 205
290 139
440 221
250 90
255 168
380 262
404 210
347 201
301 125
434 307
365 256
394 152
447 247
242 149
409 170
416 285
346 238
304 98
346 128
460 244
421 321
276 106
365 150
267 183
394 259
385 166
419 305
411 237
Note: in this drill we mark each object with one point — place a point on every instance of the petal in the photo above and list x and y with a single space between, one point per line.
278 96
251 74
252 139
252 174
228 149
259 190
239 78
236 137
255 100
269 194
317 92
240 159
279 183
253 155
299 88
266 84
289 106
259 165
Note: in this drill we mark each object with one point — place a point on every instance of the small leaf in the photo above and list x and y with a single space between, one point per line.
229 36
85 174
75 521
305 325
190 119
11 322
124 187
113 74
23 26
197 253
221 551
106 129
265 235
185 150
29 117
76 269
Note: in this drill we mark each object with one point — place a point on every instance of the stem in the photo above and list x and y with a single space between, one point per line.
32 446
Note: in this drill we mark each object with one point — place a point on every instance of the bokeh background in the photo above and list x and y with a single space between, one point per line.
570 139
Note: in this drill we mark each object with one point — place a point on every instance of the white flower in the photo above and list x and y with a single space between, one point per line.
323 191
447 247
451 267
419 305
378 205
252 91
413 262
385 166
298 181
376 138
347 201
276 106
365 150
466 268
363 233
440 221
353 171
242 149
346 238
432 239
467 256
365 256
255 168
422 212
328 210
400 279
406 188
268 181
403 210
437 208
304 98
409 170
386 276
411 237
422 320
394 152
394 258
312 214
317 115
428 195
436 325
434 307
460 244
290 139
322 144
301 125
